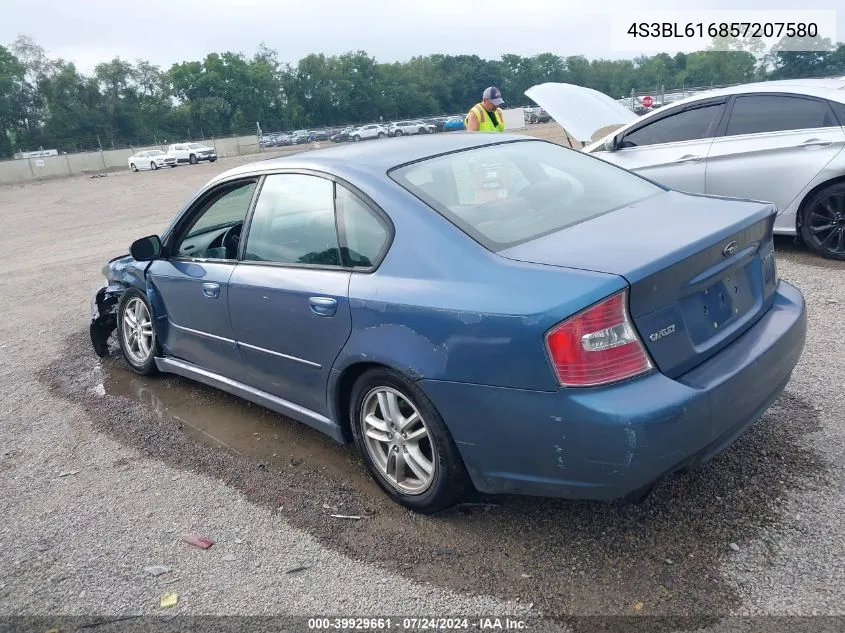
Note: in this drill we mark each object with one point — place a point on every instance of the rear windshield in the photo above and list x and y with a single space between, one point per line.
509 193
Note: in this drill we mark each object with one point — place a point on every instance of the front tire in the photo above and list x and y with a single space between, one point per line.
135 332
405 443
823 222
132 167
153 165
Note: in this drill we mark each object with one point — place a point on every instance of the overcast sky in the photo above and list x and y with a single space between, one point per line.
167 31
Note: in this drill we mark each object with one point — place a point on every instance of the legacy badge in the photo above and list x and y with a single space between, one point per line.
656 336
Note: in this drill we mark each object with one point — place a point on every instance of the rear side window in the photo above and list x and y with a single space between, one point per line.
775 113
689 125
294 222
505 194
839 110
365 234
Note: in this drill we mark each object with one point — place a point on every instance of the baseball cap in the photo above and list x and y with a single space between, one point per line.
494 95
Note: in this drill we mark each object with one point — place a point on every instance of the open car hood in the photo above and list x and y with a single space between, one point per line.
580 111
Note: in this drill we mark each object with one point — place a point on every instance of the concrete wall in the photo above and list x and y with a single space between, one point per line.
25 170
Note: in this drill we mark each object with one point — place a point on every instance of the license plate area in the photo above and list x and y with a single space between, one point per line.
710 312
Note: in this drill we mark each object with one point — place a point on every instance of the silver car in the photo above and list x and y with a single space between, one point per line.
778 141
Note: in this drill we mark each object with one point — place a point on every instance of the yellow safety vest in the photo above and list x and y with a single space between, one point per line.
484 122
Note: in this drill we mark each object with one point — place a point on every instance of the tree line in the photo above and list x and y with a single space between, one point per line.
50 103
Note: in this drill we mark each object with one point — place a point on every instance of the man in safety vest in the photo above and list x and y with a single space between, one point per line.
487 116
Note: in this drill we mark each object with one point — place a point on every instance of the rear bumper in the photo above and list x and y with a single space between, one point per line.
608 443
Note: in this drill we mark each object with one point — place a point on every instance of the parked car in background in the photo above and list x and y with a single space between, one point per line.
414 126
300 136
151 159
192 153
616 331
453 124
539 116
341 136
365 132
779 141
319 135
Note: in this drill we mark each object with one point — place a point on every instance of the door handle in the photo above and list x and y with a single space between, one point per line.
815 142
323 306
689 158
210 290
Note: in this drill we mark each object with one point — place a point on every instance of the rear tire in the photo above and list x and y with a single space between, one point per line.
381 134
193 159
356 138
432 476
825 209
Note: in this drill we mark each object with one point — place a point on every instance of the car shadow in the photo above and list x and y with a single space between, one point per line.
660 557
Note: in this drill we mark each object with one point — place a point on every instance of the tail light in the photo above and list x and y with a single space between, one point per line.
598 345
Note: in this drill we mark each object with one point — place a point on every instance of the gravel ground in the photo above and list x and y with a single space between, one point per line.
141 477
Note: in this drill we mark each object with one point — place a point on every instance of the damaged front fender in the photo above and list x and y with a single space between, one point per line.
104 317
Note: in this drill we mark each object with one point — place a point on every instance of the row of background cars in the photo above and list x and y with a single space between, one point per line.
177 153
356 133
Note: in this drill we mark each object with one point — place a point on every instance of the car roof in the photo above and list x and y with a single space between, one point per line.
374 157
829 88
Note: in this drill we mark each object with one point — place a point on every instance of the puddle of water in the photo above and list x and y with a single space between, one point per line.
223 421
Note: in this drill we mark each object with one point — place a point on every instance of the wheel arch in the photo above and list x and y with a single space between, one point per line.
836 180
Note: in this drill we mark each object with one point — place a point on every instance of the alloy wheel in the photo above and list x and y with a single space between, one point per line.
137 331
826 224
398 440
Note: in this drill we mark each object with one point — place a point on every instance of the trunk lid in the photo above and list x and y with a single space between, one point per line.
701 269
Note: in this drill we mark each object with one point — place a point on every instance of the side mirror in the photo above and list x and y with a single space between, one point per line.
610 144
146 248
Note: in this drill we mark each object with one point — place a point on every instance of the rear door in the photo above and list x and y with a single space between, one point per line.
771 146
288 296
672 149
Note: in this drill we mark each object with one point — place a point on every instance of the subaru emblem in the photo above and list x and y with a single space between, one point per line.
730 249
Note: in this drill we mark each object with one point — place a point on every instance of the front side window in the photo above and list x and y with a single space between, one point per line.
509 193
294 222
689 125
776 113
215 231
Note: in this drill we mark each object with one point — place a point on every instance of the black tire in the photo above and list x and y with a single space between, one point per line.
211 160
153 165
193 159
381 134
356 138
450 480
132 167
826 206
422 130
148 367
398 133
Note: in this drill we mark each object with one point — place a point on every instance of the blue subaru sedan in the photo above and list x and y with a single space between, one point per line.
484 310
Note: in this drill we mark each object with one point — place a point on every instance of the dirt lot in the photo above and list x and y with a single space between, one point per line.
102 472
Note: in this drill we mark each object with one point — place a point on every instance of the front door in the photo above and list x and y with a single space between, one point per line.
191 285
671 150
288 296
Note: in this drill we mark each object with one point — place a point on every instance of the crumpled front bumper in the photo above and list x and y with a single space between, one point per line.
104 317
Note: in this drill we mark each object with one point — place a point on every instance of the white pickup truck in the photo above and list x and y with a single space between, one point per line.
192 152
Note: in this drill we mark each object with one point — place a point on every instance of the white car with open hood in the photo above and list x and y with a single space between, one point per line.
776 141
